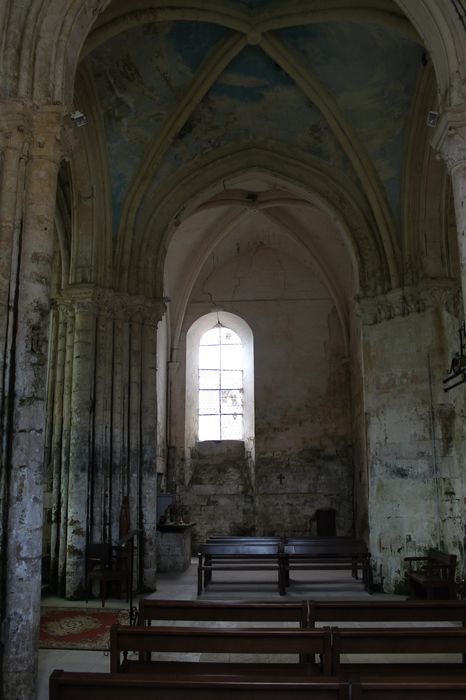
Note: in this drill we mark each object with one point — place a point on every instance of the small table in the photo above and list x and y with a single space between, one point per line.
174 547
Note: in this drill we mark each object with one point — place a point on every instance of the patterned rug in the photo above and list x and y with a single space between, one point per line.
78 628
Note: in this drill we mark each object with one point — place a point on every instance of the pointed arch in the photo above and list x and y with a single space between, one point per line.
194 184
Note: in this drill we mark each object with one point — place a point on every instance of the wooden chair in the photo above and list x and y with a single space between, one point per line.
101 567
432 576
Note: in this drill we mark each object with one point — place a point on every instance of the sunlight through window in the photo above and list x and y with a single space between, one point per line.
220 385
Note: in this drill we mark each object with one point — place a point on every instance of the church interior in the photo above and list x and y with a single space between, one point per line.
180 178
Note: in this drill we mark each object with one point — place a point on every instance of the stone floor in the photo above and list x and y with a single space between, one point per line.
241 586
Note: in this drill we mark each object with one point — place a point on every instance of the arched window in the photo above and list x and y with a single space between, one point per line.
220 385
220 380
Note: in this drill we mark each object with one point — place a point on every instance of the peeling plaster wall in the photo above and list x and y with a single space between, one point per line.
302 441
161 398
415 437
219 494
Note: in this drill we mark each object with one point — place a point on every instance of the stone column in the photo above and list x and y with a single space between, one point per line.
15 141
450 143
56 438
153 313
80 456
104 429
49 140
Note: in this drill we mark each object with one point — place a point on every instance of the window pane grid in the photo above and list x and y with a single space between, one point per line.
220 385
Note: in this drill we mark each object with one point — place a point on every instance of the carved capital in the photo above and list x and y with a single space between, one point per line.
53 133
435 294
449 140
88 298
141 309
79 299
45 131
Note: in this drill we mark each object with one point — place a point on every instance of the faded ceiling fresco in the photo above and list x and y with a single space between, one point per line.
141 75
253 101
369 71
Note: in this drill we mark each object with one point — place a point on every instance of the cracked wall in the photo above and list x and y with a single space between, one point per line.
303 451
415 435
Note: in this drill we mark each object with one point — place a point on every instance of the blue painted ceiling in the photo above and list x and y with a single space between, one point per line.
141 75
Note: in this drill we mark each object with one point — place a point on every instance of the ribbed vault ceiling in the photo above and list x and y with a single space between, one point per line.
331 83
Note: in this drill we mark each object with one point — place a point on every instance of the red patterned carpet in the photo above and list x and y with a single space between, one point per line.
78 628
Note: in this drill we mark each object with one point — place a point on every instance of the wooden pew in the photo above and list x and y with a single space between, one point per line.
408 689
238 557
102 686
389 611
432 576
411 640
330 554
242 611
245 539
304 643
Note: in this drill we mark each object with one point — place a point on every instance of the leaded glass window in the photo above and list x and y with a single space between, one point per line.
220 385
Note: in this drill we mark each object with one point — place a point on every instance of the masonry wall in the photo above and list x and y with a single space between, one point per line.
415 436
303 453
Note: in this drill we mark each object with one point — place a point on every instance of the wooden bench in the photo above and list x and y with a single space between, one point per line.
330 554
242 611
245 539
238 557
305 644
102 686
408 689
425 640
387 611
433 575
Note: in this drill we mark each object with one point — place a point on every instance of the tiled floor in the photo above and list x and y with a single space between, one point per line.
245 586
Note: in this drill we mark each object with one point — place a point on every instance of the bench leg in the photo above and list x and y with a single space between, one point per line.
199 575
281 581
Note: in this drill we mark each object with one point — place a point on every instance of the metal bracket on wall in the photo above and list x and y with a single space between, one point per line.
458 364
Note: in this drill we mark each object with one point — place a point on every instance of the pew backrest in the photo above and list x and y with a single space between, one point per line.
151 610
237 549
408 689
102 686
387 611
305 643
385 640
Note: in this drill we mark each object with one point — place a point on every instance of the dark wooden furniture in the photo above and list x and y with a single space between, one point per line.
238 557
387 611
244 539
102 686
432 576
325 519
304 644
390 640
151 610
102 567
332 554
408 689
